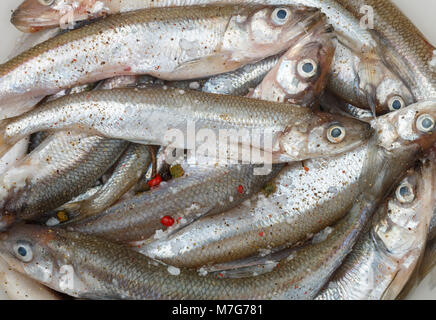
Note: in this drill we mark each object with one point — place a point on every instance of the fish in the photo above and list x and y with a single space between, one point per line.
331 103
166 44
300 75
287 216
239 82
385 256
367 81
62 167
132 165
34 16
165 116
316 49
100 269
293 212
405 48
15 286
320 32
201 190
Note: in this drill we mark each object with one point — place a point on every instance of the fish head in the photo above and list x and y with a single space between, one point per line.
405 216
414 125
384 90
327 135
301 73
392 95
266 31
35 15
25 248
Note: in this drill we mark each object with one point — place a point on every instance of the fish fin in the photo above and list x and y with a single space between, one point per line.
216 64
98 296
18 106
372 102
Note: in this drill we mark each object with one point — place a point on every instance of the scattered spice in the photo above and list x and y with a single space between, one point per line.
177 171
62 216
240 189
155 181
269 189
167 221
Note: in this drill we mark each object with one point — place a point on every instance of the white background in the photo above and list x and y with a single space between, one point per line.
422 12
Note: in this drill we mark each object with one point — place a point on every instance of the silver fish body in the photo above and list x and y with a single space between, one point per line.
367 79
403 45
364 80
385 257
200 191
285 217
222 238
240 82
164 117
62 167
169 43
99 266
107 270
131 166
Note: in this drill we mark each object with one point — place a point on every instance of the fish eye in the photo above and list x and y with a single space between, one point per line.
280 16
46 2
405 193
425 123
336 133
307 68
23 251
396 103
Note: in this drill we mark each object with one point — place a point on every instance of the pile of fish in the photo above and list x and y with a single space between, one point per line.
216 149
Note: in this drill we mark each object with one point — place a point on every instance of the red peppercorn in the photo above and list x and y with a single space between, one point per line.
240 189
167 221
155 182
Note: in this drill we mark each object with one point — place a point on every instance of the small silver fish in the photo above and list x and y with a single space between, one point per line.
284 132
386 255
218 39
62 167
